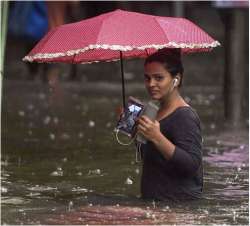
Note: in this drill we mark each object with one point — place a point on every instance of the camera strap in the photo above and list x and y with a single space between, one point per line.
120 142
138 146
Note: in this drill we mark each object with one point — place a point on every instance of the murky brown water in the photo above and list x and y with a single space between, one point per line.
61 163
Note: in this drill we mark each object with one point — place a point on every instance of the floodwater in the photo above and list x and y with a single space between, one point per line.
61 164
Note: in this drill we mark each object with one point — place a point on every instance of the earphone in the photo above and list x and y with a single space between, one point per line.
175 81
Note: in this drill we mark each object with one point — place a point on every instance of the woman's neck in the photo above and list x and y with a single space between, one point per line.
170 104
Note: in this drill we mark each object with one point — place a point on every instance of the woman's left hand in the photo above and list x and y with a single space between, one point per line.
149 129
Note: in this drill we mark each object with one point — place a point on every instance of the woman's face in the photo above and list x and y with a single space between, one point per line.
158 80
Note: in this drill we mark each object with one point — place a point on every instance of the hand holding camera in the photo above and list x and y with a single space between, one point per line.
128 119
148 128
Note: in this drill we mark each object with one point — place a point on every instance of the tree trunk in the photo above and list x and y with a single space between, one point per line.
234 67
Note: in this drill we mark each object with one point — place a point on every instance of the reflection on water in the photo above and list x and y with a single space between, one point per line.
62 165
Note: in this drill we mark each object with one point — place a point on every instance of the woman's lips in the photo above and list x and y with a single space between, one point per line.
153 92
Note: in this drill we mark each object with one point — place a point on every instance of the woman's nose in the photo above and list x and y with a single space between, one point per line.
151 83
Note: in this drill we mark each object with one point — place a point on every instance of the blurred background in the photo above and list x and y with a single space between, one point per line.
58 146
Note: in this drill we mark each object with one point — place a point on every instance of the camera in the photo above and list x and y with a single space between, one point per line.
127 121
133 110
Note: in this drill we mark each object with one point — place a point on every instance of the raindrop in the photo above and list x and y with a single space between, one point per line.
129 75
206 212
52 136
79 174
207 102
70 206
30 107
90 204
212 126
19 161
55 120
117 205
218 142
58 172
30 132
65 136
154 204
46 120
4 190
64 159
31 124
21 113
148 215
108 125
166 208
137 171
187 99
242 146
74 96
238 169
96 171
128 181
91 124
80 135
42 96
211 97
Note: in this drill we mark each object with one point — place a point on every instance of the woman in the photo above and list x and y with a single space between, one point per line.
172 157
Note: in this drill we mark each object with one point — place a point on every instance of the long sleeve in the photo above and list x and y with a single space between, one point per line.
186 135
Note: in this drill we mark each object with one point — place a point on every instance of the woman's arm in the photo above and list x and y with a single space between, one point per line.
151 130
184 153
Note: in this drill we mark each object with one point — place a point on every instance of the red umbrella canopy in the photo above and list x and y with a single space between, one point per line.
103 37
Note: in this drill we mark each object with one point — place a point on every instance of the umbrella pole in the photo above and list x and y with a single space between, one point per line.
123 83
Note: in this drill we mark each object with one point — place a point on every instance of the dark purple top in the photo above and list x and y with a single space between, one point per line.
180 177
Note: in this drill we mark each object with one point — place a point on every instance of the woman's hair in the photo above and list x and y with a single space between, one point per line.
170 59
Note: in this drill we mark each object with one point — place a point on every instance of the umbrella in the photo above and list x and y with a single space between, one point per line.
117 35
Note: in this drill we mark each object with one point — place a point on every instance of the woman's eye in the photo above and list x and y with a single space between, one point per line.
146 78
158 78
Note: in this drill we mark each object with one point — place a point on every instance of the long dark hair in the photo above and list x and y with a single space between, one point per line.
170 59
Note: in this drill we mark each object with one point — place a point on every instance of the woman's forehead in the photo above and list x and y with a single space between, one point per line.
155 67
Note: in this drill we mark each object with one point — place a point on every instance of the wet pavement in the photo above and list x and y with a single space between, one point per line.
61 164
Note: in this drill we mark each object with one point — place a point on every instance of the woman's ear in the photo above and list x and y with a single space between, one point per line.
176 80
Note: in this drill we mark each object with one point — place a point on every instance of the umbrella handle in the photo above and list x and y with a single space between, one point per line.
123 82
